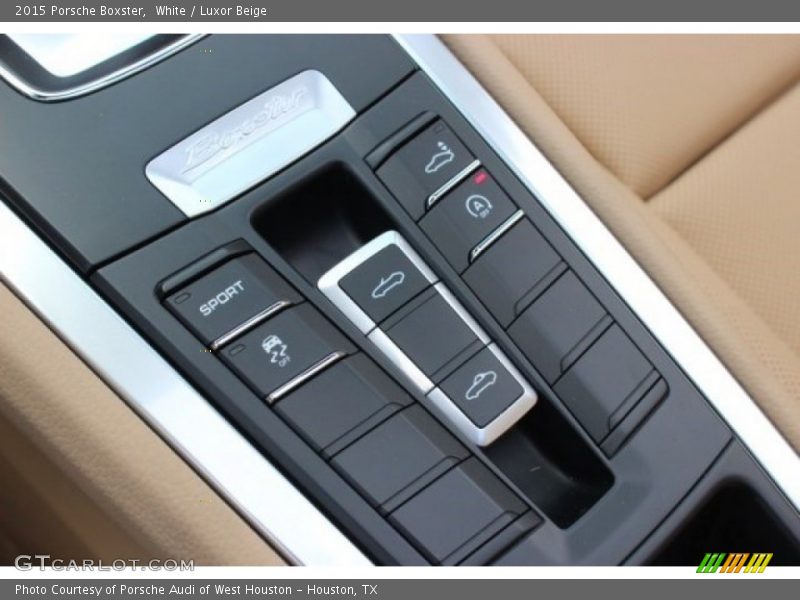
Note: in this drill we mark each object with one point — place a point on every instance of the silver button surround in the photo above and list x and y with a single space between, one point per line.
453 182
481 436
490 239
329 282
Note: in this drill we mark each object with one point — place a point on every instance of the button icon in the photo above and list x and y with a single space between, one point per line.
276 350
440 159
387 284
478 206
480 383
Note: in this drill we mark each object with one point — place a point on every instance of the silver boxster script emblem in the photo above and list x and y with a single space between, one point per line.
275 109
250 143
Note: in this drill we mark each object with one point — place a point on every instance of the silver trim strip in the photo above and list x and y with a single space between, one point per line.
329 285
490 239
249 143
448 297
92 86
401 360
309 373
452 182
249 324
619 268
503 422
205 439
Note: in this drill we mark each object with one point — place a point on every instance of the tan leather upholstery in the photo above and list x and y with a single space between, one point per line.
759 355
647 106
44 512
739 208
81 475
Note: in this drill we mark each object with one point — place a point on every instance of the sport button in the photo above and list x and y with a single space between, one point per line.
228 296
384 282
482 388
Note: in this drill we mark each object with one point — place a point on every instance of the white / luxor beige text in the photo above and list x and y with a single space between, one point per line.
200 10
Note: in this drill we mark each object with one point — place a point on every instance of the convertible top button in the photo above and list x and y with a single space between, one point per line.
384 282
482 388
424 165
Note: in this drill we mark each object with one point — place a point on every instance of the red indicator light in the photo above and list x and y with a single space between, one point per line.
480 177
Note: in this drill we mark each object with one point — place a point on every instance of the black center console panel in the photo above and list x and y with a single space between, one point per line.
395 321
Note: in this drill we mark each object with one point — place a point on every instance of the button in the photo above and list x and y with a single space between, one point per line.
423 165
399 458
279 350
433 335
384 282
342 403
457 513
463 218
489 553
228 296
625 420
482 388
601 380
507 274
563 320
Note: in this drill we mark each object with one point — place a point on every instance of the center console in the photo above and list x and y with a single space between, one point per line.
321 244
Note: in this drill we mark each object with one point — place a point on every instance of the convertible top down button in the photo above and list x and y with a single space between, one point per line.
384 282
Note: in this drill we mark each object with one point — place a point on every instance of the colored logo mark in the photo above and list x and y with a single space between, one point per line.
735 562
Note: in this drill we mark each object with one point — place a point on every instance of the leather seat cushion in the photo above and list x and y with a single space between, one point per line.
739 208
648 106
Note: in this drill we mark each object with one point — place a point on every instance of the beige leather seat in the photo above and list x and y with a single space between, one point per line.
688 147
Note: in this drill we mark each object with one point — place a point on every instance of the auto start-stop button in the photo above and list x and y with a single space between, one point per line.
229 296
